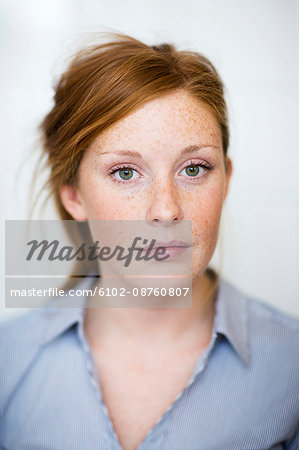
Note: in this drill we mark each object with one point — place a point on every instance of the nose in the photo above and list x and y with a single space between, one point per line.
164 203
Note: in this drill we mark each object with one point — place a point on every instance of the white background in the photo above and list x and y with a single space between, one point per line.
254 46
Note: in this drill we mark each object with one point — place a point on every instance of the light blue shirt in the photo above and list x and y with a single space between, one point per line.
243 393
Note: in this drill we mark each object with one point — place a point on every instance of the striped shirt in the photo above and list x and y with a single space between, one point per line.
243 393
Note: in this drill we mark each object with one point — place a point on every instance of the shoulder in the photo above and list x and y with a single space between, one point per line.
29 339
21 340
18 344
261 317
268 340
267 384
257 329
270 321
22 331
273 341
273 338
24 335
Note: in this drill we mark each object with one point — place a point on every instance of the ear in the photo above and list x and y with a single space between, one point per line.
72 202
228 174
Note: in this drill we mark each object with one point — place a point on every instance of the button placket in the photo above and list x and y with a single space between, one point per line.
94 379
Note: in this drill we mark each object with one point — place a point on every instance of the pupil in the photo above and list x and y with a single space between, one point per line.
126 174
192 170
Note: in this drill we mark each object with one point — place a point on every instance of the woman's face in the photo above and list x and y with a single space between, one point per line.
162 162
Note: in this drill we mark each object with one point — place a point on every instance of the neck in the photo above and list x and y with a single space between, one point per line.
150 326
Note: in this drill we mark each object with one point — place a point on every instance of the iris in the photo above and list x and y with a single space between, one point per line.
126 174
192 171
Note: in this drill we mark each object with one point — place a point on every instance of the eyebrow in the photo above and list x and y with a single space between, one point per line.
134 154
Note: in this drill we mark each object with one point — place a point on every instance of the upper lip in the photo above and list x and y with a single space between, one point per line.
169 244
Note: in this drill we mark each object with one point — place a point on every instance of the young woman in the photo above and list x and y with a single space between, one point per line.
140 132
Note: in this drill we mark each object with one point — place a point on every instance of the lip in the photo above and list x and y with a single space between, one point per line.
169 244
173 249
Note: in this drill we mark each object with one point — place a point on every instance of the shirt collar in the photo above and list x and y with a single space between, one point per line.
231 318
60 318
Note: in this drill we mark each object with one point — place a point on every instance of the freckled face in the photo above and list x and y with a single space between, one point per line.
179 173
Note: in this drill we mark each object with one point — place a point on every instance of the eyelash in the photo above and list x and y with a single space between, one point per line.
111 172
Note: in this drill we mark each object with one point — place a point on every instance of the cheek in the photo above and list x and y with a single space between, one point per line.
205 213
103 202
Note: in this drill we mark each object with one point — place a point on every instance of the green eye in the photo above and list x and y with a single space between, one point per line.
125 174
192 171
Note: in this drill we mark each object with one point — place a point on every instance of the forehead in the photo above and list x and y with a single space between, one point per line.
173 120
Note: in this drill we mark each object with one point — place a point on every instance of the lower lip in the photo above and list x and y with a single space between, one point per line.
171 252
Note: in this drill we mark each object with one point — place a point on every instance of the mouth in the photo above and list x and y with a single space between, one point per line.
159 244
172 249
